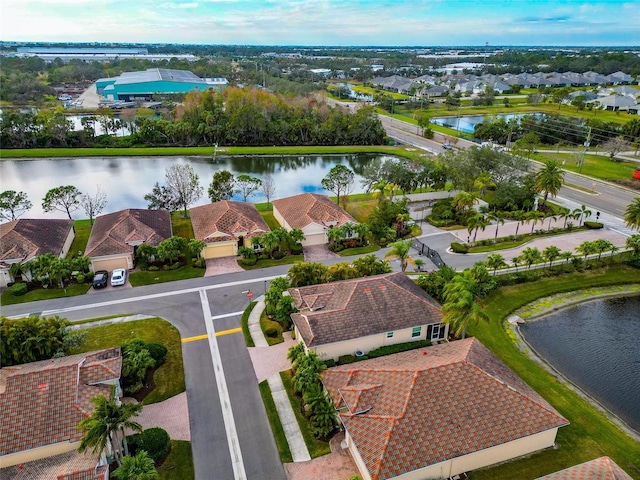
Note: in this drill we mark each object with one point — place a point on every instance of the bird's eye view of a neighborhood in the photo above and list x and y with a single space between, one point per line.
319 240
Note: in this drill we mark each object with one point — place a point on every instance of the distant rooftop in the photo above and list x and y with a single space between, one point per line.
83 50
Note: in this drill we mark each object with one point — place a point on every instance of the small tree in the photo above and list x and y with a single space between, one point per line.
222 187
400 250
171 248
268 187
247 185
551 253
184 184
615 145
339 180
161 198
196 247
93 205
13 204
495 261
632 214
140 467
64 199
302 274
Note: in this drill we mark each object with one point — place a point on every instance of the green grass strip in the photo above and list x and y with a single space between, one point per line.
358 250
244 323
179 463
271 262
274 421
266 322
38 294
146 277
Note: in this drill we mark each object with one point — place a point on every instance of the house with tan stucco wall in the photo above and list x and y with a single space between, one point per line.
437 412
359 315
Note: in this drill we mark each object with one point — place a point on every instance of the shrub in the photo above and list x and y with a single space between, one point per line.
157 351
89 277
271 332
330 363
175 266
398 347
155 441
296 249
344 359
80 278
18 289
277 255
457 247
634 261
200 263
249 261
153 268
593 225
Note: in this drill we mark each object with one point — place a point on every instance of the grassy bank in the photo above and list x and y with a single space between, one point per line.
179 463
169 377
82 229
265 323
244 323
38 294
591 434
276 424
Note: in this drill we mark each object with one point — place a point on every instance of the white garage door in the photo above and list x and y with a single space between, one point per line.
315 239
110 264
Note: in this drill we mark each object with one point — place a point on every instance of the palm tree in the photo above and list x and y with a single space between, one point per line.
107 424
17 270
533 216
495 261
324 419
383 190
270 241
463 201
335 235
549 179
476 223
633 242
586 248
314 396
516 261
520 219
632 214
497 217
461 305
582 213
296 235
602 245
613 249
295 352
362 229
551 253
566 256
400 250
140 467
483 182
531 256
551 218
566 214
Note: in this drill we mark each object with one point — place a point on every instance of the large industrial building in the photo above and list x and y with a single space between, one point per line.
143 85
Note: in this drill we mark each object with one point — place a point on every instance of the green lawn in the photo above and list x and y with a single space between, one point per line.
138 279
316 447
596 166
274 421
266 322
268 217
359 250
590 433
522 239
72 290
82 230
181 226
361 209
169 378
244 323
269 262
179 463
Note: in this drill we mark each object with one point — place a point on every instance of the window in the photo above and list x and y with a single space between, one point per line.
389 334
416 331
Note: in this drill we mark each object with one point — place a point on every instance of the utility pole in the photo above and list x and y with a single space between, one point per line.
584 153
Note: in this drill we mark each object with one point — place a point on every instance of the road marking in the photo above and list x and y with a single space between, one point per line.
228 332
193 339
225 400
226 315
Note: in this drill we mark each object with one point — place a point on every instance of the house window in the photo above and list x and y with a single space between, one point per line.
389 334
416 331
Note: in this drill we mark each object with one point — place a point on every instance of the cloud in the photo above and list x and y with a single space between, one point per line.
559 18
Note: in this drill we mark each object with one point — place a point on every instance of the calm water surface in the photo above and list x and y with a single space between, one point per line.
595 345
127 179
467 123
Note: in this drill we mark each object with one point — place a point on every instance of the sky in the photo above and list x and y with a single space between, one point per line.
325 22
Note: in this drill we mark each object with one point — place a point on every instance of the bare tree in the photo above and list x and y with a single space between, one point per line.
268 187
184 185
93 205
615 146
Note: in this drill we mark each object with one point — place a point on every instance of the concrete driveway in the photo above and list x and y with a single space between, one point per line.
316 253
220 266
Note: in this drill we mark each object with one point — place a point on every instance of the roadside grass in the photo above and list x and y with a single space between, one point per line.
169 377
268 217
372 91
596 166
181 226
266 322
97 319
522 239
276 424
179 463
38 294
82 230
359 250
139 279
590 434
244 323
316 447
270 262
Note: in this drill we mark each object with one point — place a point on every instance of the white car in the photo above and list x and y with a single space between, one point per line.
118 277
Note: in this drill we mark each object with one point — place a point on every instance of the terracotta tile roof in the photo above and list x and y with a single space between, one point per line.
66 466
27 238
42 402
339 311
229 218
426 408
118 232
602 468
301 210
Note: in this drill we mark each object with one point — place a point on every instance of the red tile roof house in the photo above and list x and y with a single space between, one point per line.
41 404
340 318
437 412
25 239
225 226
312 213
602 468
115 236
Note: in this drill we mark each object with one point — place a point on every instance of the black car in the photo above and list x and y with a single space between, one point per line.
100 279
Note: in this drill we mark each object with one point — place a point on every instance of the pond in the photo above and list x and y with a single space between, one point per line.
467 123
595 345
127 179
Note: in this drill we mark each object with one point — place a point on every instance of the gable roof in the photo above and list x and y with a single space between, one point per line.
42 402
66 466
229 218
118 232
27 238
306 208
339 311
602 468
431 405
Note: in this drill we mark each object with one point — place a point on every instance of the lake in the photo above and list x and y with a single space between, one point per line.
467 123
127 179
595 345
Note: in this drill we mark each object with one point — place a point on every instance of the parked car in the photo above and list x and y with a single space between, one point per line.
447 146
118 277
100 279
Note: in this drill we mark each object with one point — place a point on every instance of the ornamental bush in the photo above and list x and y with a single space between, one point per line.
593 225
457 247
18 289
157 351
155 441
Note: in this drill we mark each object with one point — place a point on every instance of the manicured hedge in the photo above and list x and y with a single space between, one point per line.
18 289
397 348
458 247
593 225
155 441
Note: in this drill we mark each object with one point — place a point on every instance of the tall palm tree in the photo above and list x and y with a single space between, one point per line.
582 213
566 256
602 245
531 256
549 179
400 250
140 467
106 425
463 201
461 305
566 214
551 218
520 219
586 248
475 223
633 242
613 249
533 216
551 253
516 261
495 261
499 218
632 214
